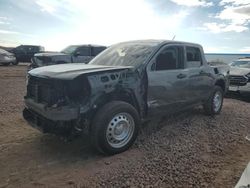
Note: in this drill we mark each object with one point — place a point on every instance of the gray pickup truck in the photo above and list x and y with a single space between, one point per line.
123 86
71 54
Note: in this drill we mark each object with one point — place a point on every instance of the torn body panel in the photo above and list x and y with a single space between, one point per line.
61 101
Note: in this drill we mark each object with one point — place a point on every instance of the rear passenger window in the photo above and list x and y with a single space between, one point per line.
193 57
83 51
97 50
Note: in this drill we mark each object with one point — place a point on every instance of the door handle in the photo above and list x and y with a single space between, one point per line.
202 72
180 76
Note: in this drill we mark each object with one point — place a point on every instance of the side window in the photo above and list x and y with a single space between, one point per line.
83 51
193 55
25 49
30 49
41 48
97 50
168 59
20 49
35 49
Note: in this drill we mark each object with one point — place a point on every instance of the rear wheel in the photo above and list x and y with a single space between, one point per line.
115 127
15 63
214 104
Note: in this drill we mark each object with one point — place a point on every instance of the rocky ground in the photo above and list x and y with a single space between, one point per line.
188 149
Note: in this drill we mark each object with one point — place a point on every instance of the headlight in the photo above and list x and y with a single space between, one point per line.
248 75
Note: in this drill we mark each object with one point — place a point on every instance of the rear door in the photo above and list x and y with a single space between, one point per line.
167 81
199 76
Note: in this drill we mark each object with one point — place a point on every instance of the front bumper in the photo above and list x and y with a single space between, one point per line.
64 113
62 128
7 59
242 89
59 121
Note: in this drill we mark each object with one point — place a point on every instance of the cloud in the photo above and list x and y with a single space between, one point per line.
2 31
112 21
239 15
234 2
4 23
245 49
3 18
219 28
235 17
9 32
193 3
46 6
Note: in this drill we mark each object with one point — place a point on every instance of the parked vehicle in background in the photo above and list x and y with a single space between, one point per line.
71 54
240 75
6 58
126 84
24 53
8 49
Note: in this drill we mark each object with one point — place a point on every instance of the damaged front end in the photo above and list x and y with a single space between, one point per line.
52 105
63 99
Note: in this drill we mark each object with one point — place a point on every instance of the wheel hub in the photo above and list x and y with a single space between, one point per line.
217 101
120 130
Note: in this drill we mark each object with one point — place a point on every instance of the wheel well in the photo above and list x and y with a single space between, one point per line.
124 96
221 84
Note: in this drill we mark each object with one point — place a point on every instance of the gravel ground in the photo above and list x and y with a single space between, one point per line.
188 149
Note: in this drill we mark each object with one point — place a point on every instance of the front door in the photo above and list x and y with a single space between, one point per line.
167 81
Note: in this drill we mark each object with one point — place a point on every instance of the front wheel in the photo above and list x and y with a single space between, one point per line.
214 103
115 127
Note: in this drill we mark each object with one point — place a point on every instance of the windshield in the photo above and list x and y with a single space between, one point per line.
69 49
241 64
125 54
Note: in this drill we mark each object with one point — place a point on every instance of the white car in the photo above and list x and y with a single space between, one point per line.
240 75
6 58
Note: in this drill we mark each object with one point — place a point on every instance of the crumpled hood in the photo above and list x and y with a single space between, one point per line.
49 54
71 71
239 71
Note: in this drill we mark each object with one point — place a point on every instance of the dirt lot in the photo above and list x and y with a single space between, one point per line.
185 150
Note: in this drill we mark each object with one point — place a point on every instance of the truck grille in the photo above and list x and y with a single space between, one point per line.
43 91
238 80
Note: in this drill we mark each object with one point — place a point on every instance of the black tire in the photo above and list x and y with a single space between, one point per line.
15 63
6 64
210 107
103 120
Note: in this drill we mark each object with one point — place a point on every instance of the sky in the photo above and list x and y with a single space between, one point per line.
220 26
